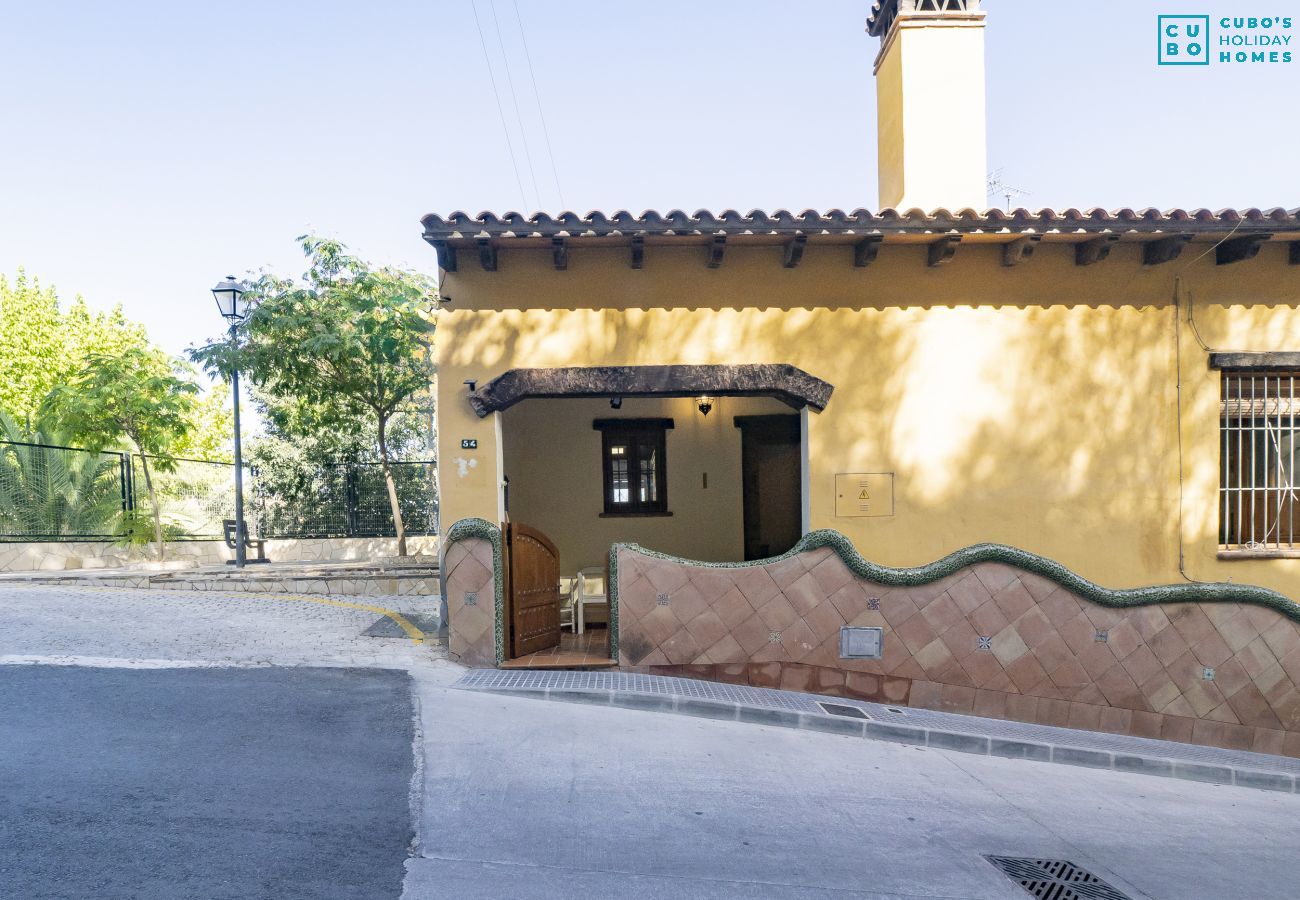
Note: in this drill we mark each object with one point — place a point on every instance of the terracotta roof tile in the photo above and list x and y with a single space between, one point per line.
461 225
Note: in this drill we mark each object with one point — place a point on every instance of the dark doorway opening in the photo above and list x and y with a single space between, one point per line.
771 476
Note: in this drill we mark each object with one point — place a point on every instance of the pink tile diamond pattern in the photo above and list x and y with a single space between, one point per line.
471 627
777 624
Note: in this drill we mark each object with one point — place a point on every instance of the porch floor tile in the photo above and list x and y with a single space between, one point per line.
589 650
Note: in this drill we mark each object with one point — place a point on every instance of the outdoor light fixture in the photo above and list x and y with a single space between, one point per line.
615 402
229 294
470 383
705 404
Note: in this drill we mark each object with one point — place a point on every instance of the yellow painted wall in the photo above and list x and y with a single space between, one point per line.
552 457
930 114
1033 405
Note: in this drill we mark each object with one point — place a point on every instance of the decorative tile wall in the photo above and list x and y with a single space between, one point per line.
471 613
988 639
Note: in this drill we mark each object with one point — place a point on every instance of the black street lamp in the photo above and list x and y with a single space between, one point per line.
230 302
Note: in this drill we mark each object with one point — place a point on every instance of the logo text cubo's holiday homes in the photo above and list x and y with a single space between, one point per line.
1197 40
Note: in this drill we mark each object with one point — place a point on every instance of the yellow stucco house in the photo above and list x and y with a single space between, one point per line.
1040 465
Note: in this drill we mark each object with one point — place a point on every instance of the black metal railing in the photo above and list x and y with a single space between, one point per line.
54 493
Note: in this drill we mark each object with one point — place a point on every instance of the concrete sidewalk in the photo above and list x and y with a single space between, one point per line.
529 800
904 725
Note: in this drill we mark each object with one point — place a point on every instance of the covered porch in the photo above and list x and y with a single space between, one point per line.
702 462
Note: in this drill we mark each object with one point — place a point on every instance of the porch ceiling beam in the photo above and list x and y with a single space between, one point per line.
1019 250
446 256
941 251
559 254
716 248
790 385
1095 250
487 255
866 250
638 251
1239 249
1155 253
794 251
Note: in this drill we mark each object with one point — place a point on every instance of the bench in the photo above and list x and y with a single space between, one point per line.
231 529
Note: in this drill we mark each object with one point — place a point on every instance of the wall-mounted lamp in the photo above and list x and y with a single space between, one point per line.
704 404
615 402
470 383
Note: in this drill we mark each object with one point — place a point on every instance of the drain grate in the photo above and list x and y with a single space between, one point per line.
1055 879
839 709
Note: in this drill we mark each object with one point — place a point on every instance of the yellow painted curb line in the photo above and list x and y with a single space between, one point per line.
415 634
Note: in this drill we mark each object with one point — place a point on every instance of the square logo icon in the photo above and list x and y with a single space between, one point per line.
1183 40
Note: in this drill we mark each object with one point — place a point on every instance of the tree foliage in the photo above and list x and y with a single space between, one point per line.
47 493
41 345
137 395
345 342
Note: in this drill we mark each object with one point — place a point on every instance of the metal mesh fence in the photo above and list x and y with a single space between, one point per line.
50 493
347 500
194 496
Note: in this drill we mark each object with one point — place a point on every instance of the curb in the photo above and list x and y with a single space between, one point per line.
961 742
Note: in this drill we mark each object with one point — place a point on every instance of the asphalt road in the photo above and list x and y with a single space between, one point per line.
204 782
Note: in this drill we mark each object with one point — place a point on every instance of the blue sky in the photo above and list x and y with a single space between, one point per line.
151 148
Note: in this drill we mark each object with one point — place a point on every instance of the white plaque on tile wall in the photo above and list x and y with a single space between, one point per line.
861 642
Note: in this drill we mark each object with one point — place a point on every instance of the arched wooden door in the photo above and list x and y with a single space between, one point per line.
532 589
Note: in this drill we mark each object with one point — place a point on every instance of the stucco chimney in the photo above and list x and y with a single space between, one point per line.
930 103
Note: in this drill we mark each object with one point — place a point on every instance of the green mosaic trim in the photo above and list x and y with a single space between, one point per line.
481 528
1192 592
611 597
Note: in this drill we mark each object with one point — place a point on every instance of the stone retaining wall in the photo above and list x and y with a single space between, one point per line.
986 638
57 555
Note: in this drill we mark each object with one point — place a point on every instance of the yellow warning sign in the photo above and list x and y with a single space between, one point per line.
864 494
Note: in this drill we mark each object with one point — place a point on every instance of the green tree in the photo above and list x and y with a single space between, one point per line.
41 345
138 396
345 341
209 429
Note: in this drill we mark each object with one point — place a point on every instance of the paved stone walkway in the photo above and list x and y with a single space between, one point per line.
949 731
79 625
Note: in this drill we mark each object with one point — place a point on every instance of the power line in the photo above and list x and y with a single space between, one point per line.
497 97
540 112
510 80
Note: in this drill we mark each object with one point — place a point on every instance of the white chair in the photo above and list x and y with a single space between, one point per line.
589 591
568 603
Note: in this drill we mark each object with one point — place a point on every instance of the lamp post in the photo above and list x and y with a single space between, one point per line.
229 295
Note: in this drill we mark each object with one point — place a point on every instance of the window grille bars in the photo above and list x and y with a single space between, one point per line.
1259 491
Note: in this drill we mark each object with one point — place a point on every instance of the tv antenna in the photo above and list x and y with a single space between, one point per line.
997 185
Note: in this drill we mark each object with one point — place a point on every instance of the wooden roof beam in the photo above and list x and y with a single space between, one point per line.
637 259
1239 249
1163 250
941 251
1019 250
446 256
717 246
487 254
794 251
559 254
1095 250
865 250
